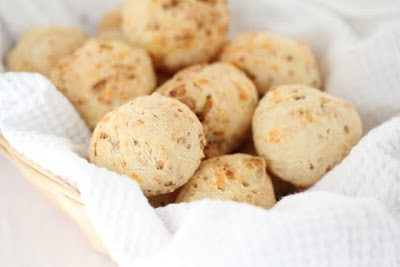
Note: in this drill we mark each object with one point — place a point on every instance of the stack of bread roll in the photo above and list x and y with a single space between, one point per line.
188 114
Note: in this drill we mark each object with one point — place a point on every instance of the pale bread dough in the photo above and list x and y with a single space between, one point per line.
303 132
222 97
39 49
156 140
110 25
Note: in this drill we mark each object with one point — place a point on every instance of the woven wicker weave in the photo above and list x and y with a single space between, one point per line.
65 197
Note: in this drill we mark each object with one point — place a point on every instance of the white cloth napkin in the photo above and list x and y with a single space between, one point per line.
350 218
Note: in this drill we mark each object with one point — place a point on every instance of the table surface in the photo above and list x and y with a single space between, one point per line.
33 232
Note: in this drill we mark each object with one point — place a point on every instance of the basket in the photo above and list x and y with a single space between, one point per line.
65 197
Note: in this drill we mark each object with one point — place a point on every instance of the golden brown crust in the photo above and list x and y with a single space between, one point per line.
222 97
176 33
269 59
102 75
237 177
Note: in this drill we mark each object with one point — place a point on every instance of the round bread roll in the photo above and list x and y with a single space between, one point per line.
110 26
269 59
176 33
111 34
39 49
155 140
303 132
222 97
237 177
102 75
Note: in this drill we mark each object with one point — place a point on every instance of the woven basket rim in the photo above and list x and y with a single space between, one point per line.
59 184
60 193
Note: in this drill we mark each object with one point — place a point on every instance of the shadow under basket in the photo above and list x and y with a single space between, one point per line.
64 196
